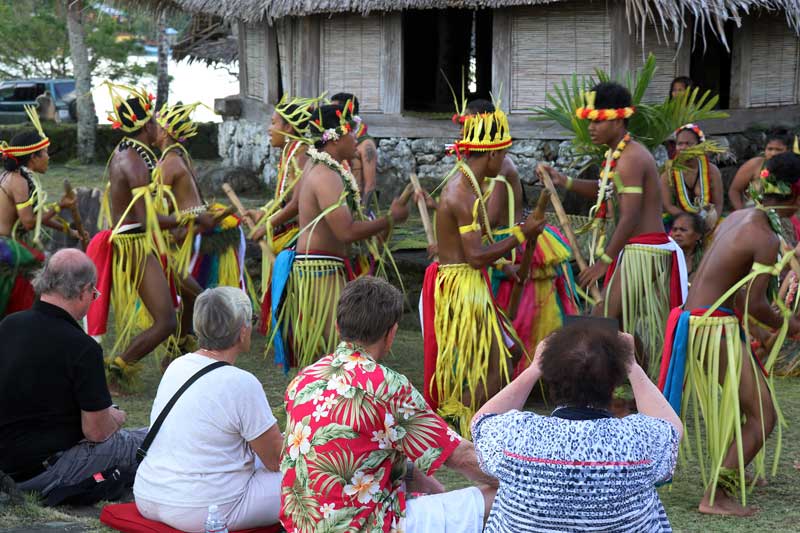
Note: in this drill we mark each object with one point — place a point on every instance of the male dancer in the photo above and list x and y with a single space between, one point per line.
331 218
645 272
779 140
469 347
365 163
707 355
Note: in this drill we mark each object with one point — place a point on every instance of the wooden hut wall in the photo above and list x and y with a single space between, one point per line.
352 57
549 43
671 61
255 58
774 62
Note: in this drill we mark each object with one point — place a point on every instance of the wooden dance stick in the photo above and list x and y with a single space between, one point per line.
544 176
524 272
423 211
76 214
266 251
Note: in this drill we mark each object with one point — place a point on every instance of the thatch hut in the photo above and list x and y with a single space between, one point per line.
390 54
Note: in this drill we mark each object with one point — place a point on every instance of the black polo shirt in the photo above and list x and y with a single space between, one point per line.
50 370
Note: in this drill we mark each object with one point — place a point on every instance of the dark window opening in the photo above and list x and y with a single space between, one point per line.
710 66
456 42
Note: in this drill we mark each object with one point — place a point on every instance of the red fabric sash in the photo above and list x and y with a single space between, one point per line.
675 295
100 251
430 346
22 294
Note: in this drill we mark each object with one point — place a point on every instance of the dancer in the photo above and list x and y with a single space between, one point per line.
707 363
645 272
331 219
470 351
365 163
746 183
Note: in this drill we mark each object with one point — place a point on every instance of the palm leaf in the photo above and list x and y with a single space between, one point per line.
651 125
301 504
336 467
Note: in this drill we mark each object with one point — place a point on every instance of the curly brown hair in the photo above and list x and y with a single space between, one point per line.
583 364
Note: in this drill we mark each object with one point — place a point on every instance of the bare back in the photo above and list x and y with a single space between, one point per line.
741 239
13 190
126 171
321 189
455 209
179 174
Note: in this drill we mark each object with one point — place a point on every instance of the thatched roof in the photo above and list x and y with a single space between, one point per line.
671 16
208 39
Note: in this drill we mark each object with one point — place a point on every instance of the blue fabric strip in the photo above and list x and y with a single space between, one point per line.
673 386
280 278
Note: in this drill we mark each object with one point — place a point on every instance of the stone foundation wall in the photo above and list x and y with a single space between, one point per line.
246 144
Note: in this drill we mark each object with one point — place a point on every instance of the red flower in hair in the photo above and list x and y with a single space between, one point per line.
764 174
116 125
146 107
350 106
338 113
151 97
133 117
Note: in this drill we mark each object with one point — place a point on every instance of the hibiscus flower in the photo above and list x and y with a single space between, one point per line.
326 509
298 440
337 384
389 427
362 486
382 439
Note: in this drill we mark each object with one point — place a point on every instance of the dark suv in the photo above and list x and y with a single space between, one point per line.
15 94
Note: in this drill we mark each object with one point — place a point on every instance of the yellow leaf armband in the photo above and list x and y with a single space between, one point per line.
516 231
604 257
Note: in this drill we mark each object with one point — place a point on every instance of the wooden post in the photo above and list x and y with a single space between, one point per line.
501 55
392 67
544 176
524 272
310 51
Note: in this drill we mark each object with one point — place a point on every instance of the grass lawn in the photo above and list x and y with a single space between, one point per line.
778 501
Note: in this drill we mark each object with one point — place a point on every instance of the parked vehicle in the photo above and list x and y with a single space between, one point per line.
15 94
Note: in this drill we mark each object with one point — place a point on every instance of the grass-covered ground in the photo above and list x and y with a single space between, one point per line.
778 501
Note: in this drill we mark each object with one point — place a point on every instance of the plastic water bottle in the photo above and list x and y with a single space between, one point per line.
215 522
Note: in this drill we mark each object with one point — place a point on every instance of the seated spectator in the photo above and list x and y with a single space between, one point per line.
688 231
578 469
57 423
360 437
206 451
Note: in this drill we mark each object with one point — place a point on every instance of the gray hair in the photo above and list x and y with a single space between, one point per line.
67 272
219 315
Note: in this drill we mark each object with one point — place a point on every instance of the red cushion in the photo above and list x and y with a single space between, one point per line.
125 517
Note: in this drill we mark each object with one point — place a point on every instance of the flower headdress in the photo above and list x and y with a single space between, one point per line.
484 132
177 120
12 152
588 110
325 128
694 128
124 116
770 184
297 112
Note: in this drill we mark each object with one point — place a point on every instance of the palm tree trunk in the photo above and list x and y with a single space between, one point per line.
87 120
162 90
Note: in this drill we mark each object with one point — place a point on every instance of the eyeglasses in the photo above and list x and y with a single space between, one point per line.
95 293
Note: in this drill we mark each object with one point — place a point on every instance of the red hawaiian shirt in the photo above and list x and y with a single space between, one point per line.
351 425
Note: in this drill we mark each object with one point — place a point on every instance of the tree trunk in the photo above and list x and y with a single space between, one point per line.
162 91
87 119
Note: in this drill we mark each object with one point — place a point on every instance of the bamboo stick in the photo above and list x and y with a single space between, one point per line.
544 176
524 272
266 251
423 211
76 215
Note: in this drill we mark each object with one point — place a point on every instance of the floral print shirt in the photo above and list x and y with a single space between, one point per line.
351 425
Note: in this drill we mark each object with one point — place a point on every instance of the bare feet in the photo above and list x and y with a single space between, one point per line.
725 505
760 481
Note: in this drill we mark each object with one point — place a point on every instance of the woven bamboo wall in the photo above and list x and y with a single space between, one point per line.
774 62
255 55
351 60
550 43
666 62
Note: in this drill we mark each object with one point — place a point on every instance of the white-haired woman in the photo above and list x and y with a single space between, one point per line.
205 452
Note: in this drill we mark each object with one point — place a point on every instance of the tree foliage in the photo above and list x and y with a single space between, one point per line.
34 43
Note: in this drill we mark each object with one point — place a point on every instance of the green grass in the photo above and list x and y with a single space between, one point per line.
777 501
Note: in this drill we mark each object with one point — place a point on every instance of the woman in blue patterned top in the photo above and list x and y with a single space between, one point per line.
580 468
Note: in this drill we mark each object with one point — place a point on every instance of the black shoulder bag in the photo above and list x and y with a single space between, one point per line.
141 453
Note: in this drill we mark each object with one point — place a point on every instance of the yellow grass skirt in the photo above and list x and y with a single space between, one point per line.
307 316
467 326
718 405
127 270
644 272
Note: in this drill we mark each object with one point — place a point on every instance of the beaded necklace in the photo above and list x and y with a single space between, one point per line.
605 190
140 148
349 181
682 192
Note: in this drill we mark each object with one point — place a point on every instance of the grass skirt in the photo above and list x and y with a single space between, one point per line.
17 263
466 324
307 315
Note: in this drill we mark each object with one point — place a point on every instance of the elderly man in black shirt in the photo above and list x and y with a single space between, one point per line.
57 423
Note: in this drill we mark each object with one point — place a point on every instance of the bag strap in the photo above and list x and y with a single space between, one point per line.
141 453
